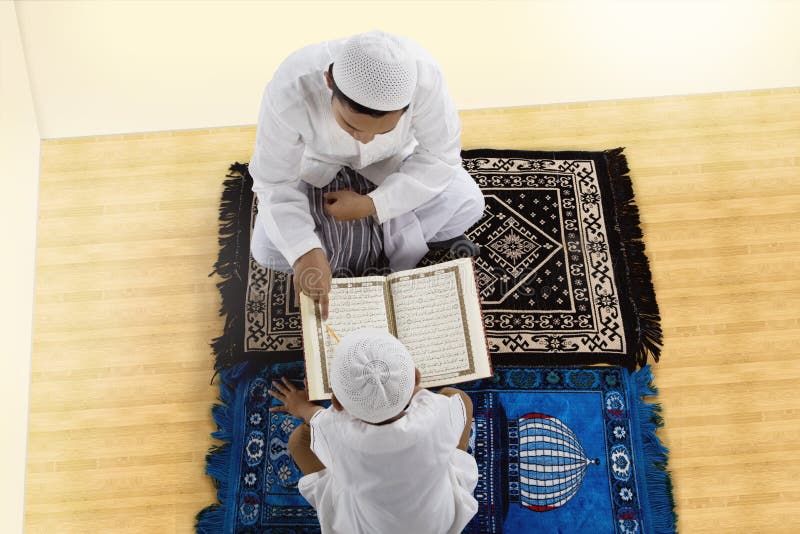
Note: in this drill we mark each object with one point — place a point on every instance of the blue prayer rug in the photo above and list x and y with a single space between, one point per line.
559 449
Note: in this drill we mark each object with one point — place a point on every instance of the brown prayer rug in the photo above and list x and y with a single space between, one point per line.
562 272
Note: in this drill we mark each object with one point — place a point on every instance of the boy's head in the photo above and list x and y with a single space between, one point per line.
373 79
372 375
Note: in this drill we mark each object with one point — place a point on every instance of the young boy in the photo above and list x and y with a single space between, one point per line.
388 456
378 104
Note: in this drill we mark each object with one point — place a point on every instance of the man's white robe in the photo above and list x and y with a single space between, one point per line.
422 194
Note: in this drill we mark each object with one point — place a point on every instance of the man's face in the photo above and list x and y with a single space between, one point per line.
363 128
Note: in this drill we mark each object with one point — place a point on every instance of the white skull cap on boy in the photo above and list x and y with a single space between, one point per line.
376 70
372 374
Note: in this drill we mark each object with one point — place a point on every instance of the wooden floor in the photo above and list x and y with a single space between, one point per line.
124 310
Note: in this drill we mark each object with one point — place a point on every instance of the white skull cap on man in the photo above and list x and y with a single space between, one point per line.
372 374
376 70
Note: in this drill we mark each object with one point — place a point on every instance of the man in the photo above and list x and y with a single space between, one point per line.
375 103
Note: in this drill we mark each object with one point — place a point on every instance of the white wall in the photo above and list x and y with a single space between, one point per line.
19 180
133 66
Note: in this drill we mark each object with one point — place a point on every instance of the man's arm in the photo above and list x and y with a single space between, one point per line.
282 196
429 169
283 202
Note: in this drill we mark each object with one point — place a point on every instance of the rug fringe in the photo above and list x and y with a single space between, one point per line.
659 484
211 519
642 293
231 287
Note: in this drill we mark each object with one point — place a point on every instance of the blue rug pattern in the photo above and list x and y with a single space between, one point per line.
559 449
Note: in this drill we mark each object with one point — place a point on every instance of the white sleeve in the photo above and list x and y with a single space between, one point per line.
275 168
322 424
457 413
429 169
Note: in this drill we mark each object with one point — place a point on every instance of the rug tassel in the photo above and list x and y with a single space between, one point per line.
211 520
659 485
227 267
643 297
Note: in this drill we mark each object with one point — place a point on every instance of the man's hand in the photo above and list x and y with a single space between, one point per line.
312 276
348 205
295 401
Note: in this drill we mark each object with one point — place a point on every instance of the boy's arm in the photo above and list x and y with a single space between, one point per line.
295 400
307 412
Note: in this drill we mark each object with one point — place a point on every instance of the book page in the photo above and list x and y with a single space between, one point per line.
437 317
353 303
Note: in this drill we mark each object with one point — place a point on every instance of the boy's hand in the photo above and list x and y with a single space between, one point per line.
312 276
348 205
295 401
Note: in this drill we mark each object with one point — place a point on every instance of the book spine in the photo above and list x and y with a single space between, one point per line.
480 308
389 300
303 333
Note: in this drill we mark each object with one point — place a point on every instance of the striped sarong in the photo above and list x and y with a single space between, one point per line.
355 248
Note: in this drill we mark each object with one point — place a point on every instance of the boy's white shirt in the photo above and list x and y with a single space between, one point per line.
298 140
406 476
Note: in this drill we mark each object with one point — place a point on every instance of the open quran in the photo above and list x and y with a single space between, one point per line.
434 311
